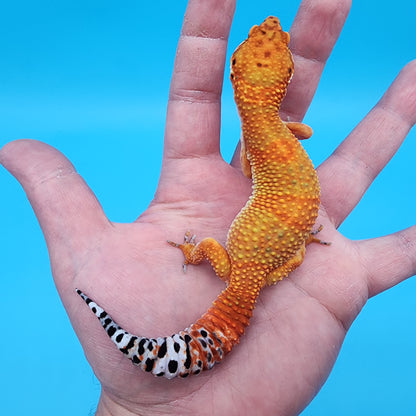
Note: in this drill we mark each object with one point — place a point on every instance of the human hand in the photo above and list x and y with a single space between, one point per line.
136 276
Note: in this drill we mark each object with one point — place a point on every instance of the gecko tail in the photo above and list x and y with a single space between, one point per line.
186 353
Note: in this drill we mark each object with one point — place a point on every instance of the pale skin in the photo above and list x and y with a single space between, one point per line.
300 324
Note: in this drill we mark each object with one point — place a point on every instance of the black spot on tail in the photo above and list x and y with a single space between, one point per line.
107 322
130 345
202 342
141 346
111 331
173 366
136 360
149 365
188 361
162 350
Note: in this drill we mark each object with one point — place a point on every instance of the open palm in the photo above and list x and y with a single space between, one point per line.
298 327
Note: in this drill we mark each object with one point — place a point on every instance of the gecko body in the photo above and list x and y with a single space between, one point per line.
266 240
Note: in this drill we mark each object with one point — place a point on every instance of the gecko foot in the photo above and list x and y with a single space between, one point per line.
313 239
188 243
188 238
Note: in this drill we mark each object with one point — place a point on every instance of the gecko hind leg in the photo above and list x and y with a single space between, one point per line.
207 249
281 272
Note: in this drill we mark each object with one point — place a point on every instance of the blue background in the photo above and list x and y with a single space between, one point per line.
91 78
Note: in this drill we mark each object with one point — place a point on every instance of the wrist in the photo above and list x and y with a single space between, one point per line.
108 407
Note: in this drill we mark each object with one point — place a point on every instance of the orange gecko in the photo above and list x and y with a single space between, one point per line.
266 240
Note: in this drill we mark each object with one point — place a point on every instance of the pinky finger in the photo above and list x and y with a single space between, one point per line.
389 260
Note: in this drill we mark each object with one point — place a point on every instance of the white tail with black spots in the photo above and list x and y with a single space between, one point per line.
183 354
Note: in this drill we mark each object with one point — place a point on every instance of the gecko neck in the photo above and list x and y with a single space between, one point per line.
268 130
263 105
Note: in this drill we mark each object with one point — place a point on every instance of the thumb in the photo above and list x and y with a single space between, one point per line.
67 210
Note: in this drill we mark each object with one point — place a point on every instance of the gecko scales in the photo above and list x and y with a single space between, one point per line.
266 240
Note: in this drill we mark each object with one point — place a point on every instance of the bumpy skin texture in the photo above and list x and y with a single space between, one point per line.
266 240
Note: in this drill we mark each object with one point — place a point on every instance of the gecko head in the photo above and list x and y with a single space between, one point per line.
263 60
